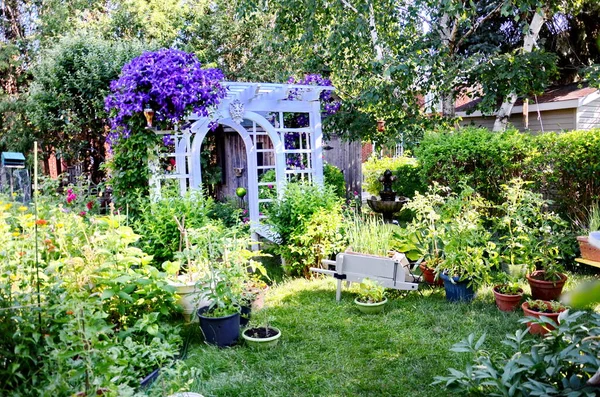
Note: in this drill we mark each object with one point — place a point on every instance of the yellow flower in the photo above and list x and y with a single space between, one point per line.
7 206
22 208
59 225
16 234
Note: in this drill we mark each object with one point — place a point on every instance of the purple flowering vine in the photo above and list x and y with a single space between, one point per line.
171 82
329 103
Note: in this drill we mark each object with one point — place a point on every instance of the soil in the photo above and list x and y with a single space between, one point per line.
535 309
503 292
260 332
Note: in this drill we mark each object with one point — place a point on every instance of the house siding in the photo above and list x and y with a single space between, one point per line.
552 120
589 115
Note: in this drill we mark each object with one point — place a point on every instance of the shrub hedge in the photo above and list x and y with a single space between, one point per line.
564 167
406 170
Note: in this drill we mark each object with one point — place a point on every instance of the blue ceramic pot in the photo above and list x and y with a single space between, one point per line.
457 291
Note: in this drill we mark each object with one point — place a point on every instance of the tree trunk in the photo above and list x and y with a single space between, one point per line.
375 35
448 30
530 39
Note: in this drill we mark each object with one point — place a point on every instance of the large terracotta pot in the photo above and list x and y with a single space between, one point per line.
537 329
505 302
429 276
545 290
588 251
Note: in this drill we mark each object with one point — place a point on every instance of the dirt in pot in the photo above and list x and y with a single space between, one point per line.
260 332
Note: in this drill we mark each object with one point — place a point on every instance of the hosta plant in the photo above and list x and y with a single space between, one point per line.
566 362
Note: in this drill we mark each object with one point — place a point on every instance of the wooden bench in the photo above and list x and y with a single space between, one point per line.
588 262
390 272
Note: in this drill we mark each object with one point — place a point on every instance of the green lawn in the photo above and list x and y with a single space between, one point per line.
330 349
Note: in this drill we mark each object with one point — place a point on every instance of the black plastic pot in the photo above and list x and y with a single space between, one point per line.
245 315
457 291
220 331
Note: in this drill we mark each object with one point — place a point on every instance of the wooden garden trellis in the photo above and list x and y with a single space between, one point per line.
253 109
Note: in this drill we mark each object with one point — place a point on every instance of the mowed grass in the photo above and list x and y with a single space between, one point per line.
331 349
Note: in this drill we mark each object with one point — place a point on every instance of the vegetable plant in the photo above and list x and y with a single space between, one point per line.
370 291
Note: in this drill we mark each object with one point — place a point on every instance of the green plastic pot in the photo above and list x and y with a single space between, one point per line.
261 343
370 308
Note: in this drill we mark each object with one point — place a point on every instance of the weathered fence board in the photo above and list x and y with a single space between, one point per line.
347 156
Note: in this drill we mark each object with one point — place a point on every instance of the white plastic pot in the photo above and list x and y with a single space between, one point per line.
594 239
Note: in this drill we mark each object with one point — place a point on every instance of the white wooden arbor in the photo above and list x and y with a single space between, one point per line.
253 110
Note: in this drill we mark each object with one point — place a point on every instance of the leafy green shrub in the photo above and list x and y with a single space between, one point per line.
563 363
307 219
332 176
405 169
227 211
564 167
158 225
483 159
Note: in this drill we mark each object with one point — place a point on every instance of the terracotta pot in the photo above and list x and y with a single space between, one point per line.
537 329
505 302
545 290
588 251
429 276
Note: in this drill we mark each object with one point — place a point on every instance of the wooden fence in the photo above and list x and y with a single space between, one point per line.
347 156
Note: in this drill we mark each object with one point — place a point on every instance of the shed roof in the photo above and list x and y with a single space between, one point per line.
556 97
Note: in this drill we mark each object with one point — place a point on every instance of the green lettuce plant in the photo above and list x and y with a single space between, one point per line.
370 291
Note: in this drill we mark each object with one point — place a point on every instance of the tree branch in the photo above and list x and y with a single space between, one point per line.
350 6
478 23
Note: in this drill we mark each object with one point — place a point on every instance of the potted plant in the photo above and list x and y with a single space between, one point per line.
261 336
190 266
508 293
531 237
231 267
371 297
469 255
220 321
548 278
540 309
425 234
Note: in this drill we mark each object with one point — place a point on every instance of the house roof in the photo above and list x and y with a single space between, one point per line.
556 97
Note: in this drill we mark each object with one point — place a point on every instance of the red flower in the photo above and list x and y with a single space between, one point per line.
90 205
41 222
82 213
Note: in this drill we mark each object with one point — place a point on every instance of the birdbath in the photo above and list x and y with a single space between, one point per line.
388 205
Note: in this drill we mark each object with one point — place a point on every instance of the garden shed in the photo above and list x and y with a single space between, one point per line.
561 108
277 127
